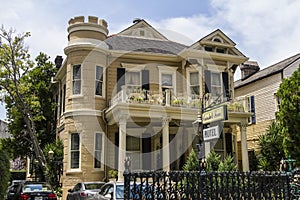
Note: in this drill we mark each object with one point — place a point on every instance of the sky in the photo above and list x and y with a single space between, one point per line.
266 31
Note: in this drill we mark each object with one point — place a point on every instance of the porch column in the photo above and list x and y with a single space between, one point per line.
244 146
122 146
165 144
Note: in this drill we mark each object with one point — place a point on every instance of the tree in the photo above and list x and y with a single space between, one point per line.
288 115
27 96
271 150
213 161
192 163
4 172
54 164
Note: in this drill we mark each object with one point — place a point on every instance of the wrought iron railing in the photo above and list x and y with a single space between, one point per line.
208 185
167 98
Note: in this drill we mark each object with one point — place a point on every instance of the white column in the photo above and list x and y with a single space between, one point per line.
165 144
244 146
122 146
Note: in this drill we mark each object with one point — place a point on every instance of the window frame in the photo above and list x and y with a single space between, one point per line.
220 86
168 71
75 80
189 85
70 152
132 87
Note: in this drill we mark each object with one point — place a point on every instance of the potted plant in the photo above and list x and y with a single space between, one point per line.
113 174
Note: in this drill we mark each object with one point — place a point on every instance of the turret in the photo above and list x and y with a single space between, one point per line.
93 29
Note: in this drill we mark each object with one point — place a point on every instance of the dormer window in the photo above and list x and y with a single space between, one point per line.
142 33
220 50
217 39
208 48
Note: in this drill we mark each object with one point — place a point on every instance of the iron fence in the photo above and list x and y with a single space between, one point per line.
210 185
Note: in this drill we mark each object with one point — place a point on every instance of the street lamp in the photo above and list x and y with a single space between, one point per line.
56 166
51 154
198 128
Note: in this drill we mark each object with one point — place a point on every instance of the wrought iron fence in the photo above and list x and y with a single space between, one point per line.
209 185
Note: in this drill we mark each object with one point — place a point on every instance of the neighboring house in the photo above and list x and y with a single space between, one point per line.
260 88
3 129
137 94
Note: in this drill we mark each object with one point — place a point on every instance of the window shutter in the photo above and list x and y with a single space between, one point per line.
145 80
252 109
120 78
207 75
225 85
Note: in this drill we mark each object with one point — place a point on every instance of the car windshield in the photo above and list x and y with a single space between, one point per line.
92 186
37 188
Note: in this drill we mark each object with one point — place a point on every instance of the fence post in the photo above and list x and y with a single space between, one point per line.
127 176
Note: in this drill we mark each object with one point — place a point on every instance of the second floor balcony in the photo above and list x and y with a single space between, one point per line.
169 99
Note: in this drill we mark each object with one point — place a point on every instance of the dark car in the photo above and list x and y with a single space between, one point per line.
12 189
84 190
35 191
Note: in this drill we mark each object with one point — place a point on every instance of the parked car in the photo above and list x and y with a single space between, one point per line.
84 190
115 190
11 190
35 191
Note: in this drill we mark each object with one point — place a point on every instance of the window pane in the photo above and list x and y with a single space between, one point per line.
194 78
166 80
75 159
133 78
75 141
76 72
99 73
98 141
97 159
98 88
195 90
77 87
215 79
132 143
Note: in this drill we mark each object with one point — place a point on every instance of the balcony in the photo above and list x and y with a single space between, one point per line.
167 98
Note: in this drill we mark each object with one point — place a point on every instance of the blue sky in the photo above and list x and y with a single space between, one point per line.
266 31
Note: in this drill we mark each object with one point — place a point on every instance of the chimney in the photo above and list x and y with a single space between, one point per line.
58 61
248 69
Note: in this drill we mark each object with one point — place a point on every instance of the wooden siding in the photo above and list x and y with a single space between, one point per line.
264 91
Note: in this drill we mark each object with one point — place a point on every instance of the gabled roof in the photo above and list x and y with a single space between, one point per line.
133 44
218 39
141 24
269 71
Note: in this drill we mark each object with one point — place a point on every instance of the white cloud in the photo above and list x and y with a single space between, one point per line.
265 31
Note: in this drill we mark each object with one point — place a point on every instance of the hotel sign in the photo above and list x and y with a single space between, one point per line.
211 133
216 114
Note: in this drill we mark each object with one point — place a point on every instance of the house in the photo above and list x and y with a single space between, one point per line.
137 94
3 129
260 88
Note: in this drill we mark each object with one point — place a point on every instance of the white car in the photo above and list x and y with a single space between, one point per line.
114 191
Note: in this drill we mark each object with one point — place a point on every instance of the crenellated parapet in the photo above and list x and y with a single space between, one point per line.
94 28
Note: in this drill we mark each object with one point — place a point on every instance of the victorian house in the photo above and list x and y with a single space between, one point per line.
137 94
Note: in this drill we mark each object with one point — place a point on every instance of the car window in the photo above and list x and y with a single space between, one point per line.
106 189
77 187
92 186
36 188
120 192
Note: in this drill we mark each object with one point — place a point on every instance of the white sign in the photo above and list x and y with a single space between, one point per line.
216 114
211 133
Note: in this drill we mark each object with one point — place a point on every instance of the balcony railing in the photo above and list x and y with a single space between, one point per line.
167 98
